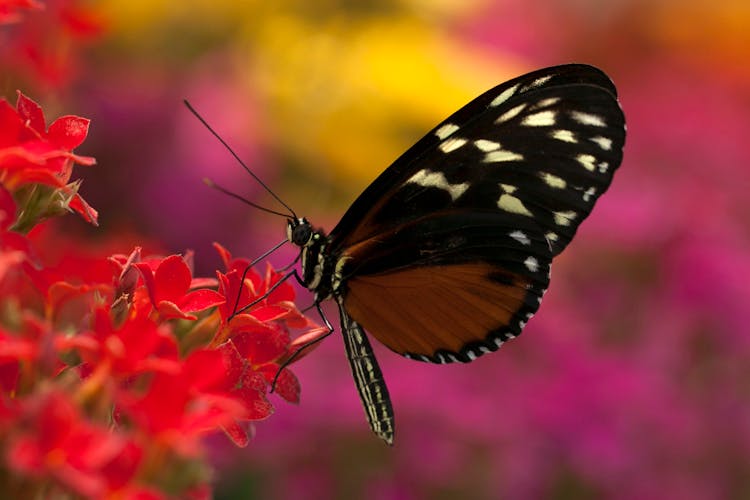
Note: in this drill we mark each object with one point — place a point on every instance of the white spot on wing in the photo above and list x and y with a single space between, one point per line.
437 180
502 155
564 218
520 237
603 142
553 181
544 103
588 119
564 135
551 236
510 114
446 130
510 203
531 264
587 161
486 146
540 81
541 119
589 193
451 144
503 96
603 166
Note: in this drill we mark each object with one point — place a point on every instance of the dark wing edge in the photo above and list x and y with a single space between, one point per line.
368 378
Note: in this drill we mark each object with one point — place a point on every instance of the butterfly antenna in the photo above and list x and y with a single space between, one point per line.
247 169
208 182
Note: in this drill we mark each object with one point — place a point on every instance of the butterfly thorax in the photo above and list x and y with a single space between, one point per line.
319 269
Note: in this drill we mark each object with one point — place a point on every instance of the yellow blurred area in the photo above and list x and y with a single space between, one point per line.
354 95
343 90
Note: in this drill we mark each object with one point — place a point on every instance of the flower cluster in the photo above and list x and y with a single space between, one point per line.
114 367
41 40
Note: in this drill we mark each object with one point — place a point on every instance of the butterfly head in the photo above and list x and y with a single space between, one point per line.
299 232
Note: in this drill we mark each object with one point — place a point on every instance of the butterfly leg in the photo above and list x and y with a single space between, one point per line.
265 295
305 346
247 270
369 379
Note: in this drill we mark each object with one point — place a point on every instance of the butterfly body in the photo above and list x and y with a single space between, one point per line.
447 254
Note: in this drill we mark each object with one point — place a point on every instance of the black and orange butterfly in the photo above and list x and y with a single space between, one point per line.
447 254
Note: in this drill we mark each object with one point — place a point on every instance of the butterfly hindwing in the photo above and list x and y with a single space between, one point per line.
453 286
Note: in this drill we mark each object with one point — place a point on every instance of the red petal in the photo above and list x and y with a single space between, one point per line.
261 345
86 211
200 300
148 280
7 209
237 434
61 292
226 257
285 291
269 313
287 385
172 279
30 111
68 132
205 368
203 283
308 340
294 318
169 310
252 394
10 125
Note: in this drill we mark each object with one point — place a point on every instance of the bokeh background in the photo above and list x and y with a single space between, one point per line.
633 382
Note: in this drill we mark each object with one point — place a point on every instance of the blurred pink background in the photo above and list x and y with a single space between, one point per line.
632 382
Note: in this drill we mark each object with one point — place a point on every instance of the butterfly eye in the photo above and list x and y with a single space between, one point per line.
301 232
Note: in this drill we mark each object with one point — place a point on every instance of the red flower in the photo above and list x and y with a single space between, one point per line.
45 45
278 305
29 153
234 378
265 347
9 9
168 289
56 441
137 346
207 394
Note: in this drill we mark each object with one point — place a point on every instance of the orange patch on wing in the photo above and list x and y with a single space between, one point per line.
424 309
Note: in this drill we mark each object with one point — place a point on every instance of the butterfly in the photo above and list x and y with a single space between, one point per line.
447 254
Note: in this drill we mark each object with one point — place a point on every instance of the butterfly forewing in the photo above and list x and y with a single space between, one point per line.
450 156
